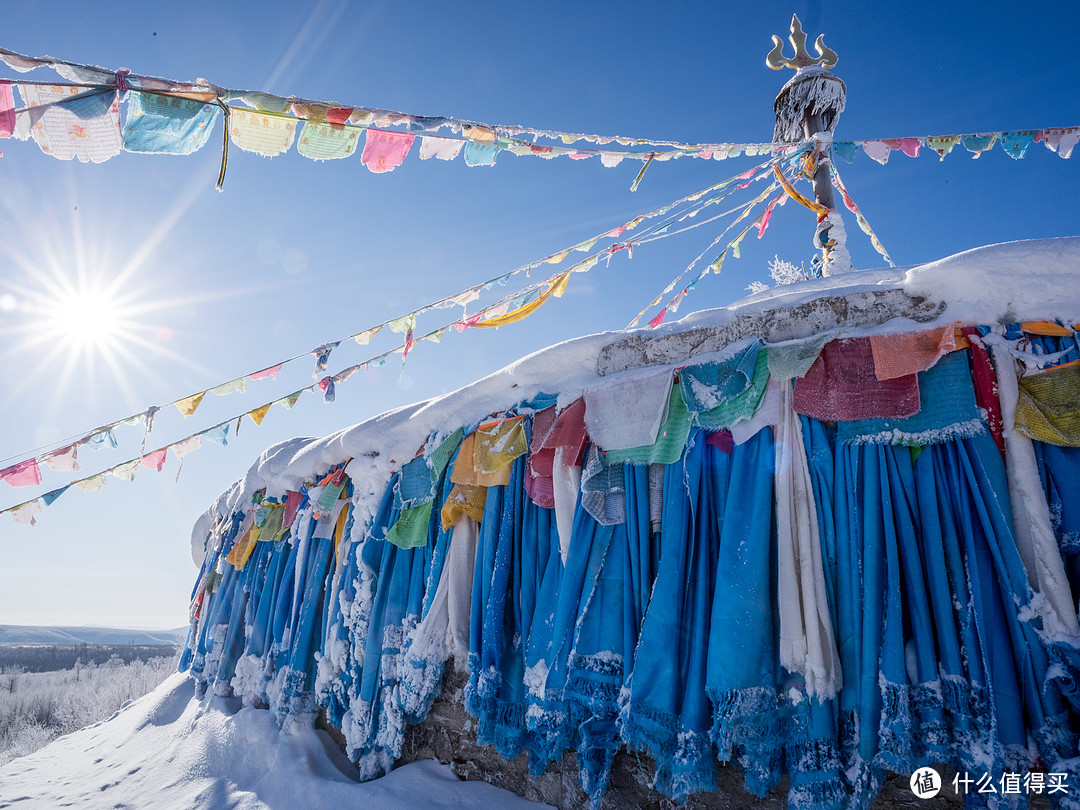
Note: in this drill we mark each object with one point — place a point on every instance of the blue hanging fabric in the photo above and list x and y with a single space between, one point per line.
545 716
551 725
605 637
495 693
743 668
665 710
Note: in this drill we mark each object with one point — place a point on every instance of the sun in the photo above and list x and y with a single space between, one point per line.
85 319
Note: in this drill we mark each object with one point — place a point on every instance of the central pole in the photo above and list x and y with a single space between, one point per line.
807 109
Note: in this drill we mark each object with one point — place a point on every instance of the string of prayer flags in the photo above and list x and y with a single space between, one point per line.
510 309
331 131
864 225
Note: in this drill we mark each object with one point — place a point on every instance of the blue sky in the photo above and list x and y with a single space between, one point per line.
295 253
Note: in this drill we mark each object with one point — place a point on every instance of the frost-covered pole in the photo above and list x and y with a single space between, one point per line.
808 107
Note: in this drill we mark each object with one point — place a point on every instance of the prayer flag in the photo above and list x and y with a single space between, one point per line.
89 130
24 513
258 414
188 405
7 111
441 148
384 151
63 460
266 372
268 135
327 141
365 337
155 460
237 386
169 125
94 484
24 474
125 471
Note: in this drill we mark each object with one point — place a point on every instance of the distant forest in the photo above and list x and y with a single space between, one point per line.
52 657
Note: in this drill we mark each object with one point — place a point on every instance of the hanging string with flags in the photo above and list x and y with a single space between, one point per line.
81 119
510 309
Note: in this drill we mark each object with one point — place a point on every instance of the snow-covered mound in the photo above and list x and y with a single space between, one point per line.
1011 281
168 749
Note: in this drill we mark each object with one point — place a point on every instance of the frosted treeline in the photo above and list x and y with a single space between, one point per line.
38 707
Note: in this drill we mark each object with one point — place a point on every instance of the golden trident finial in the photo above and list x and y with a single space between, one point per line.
826 57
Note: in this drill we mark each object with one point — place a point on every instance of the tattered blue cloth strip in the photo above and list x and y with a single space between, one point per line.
707 385
947 410
374 723
606 637
665 710
167 125
551 727
744 676
495 693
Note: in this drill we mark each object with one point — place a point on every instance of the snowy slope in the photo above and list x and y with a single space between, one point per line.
168 750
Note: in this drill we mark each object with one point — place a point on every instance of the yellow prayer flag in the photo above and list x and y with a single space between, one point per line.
259 413
188 405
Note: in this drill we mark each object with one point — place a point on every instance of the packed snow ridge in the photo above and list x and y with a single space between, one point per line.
168 749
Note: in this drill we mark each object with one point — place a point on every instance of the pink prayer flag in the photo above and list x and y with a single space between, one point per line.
267 372
7 111
408 344
465 323
384 151
658 318
156 460
909 146
24 474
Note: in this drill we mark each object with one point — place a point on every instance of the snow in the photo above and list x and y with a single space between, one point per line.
211 753
1033 279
